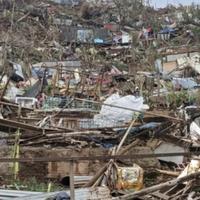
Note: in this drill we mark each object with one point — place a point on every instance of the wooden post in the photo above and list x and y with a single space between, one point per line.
101 84
125 135
16 154
19 112
5 88
98 175
105 167
158 79
71 171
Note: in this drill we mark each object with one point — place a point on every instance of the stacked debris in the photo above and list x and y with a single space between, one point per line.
95 89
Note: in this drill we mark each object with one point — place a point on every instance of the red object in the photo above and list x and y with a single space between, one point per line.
112 27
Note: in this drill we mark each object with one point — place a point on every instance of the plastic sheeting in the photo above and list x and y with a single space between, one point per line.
194 131
18 70
167 30
185 83
195 62
135 130
62 196
192 167
118 116
12 92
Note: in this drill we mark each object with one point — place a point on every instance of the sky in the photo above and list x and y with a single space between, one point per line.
163 3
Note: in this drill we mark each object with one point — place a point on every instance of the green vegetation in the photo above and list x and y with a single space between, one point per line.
35 185
176 99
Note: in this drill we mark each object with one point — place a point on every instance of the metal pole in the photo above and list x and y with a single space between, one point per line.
71 171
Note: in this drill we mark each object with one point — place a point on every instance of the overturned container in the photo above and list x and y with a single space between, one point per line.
130 178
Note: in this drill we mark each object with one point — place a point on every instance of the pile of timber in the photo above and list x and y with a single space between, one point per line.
74 139
185 187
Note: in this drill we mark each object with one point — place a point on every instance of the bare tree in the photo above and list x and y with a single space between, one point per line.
129 9
192 15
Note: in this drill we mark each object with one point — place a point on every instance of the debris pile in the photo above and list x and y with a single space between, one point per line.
95 90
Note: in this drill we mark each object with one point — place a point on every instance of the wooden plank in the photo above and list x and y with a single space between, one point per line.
4 89
160 195
161 186
170 173
23 126
14 105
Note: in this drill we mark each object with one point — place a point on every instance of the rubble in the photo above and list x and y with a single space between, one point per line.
93 89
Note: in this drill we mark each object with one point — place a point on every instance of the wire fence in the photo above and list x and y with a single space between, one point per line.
59 102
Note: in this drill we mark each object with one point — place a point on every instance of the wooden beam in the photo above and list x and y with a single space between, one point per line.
125 136
13 105
23 126
158 187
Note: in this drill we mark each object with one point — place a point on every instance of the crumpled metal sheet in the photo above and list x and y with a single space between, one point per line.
99 193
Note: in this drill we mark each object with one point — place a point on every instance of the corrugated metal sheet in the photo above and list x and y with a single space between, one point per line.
34 90
68 34
67 64
13 194
67 2
171 58
84 35
99 193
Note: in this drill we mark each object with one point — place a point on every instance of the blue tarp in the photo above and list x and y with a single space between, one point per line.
98 41
150 126
167 30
